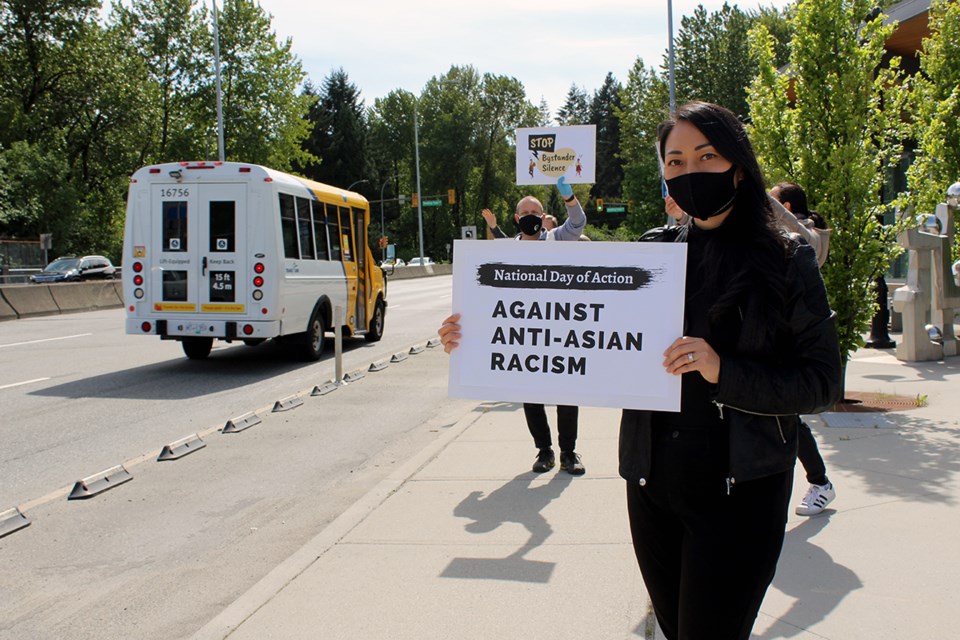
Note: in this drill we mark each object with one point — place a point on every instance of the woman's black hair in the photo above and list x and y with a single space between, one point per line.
751 248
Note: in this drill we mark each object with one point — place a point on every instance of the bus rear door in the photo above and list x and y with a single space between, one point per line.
199 245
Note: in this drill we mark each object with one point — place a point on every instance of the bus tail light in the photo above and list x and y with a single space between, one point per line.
259 268
146 326
138 280
137 267
258 281
248 329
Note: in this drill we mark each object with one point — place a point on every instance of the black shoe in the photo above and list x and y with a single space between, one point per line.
545 461
570 462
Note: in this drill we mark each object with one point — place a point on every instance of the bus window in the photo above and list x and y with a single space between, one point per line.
347 232
222 225
320 231
306 229
333 227
288 225
175 286
174 226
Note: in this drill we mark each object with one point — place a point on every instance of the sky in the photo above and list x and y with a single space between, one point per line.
384 45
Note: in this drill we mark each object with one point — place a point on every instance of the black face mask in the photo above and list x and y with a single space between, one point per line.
530 225
704 195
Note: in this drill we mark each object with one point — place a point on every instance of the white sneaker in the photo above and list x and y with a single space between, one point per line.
817 498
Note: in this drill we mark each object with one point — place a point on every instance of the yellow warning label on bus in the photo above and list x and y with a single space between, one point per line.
174 306
221 308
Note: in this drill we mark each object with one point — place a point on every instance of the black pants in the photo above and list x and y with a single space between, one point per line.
810 456
536 415
706 556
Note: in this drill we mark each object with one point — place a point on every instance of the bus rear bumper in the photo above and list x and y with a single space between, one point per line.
176 328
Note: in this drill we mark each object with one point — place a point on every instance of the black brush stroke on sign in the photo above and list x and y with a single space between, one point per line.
592 278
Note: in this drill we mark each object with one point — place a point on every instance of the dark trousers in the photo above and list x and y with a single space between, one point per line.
810 456
706 556
536 415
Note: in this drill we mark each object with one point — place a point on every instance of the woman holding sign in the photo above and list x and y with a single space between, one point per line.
708 487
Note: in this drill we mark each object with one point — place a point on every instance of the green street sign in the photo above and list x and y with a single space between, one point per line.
431 203
615 209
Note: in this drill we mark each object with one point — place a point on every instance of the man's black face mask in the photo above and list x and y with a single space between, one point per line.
530 224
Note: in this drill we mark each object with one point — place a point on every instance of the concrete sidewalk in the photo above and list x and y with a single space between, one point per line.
464 541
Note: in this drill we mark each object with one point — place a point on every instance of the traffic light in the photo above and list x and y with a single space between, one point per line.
451 196
414 200
599 204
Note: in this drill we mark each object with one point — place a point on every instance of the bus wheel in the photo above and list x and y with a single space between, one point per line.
376 323
197 348
252 342
314 339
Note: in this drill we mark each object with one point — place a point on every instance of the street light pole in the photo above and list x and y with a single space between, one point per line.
416 148
355 183
673 94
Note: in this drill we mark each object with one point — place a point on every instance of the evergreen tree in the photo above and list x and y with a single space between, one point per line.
576 109
338 132
603 114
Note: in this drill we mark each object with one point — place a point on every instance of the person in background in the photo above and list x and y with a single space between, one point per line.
533 224
821 491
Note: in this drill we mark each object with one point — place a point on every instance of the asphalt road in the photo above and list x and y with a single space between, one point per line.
160 555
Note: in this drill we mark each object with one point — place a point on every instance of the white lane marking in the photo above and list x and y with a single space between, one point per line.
17 344
17 384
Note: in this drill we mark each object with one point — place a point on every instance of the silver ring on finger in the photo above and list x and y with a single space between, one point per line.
691 357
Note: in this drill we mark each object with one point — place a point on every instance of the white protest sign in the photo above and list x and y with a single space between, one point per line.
574 323
546 153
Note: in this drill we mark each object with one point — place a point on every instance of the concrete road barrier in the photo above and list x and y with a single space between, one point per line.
85 296
6 311
402 273
30 299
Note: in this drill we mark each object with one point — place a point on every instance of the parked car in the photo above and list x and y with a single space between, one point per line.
393 263
416 262
73 269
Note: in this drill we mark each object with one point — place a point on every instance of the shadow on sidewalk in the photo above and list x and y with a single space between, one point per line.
811 577
519 502
916 459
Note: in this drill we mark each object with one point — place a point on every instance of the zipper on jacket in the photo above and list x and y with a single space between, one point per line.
721 405
730 482
776 416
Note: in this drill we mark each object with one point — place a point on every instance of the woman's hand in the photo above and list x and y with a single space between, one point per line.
692 354
449 333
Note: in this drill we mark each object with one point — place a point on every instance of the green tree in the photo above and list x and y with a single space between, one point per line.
644 105
338 135
576 109
264 114
935 111
164 34
603 114
838 139
712 58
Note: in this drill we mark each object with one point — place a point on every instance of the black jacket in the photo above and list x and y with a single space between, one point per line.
760 399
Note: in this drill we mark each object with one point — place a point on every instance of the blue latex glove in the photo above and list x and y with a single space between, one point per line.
565 190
